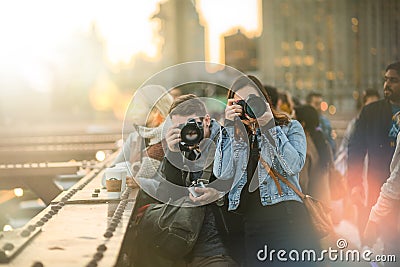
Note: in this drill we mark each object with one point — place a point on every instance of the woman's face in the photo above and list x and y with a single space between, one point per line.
154 119
244 92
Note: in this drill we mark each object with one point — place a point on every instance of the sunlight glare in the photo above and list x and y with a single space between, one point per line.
224 17
33 33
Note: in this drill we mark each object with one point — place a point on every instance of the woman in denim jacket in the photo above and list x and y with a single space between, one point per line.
274 216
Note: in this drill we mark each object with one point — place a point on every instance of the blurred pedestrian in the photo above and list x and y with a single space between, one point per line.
285 103
369 96
374 136
314 177
385 213
315 99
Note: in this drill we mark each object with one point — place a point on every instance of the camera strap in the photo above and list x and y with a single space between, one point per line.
207 172
275 175
208 164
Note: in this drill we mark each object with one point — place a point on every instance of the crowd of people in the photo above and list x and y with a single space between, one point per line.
263 132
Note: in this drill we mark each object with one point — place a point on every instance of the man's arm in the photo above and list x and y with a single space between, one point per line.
387 201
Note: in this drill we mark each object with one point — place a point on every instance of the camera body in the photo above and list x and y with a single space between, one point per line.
254 106
192 187
192 133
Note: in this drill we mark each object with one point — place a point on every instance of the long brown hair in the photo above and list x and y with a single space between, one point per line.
252 81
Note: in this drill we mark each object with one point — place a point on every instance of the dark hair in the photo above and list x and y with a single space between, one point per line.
394 66
308 116
273 94
189 104
369 93
252 81
365 95
311 95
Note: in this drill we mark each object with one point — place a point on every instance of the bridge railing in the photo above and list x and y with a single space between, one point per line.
80 227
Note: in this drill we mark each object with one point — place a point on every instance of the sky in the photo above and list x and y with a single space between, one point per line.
32 31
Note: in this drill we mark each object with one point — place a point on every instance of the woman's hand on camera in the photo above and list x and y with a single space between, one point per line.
209 195
232 110
173 137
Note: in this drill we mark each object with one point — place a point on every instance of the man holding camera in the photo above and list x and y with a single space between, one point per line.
188 163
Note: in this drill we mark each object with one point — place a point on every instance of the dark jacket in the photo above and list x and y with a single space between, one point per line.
229 225
371 136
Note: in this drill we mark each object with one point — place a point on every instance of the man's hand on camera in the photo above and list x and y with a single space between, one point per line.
232 110
209 195
173 137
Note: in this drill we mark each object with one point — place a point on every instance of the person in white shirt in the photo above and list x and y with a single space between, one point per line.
385 213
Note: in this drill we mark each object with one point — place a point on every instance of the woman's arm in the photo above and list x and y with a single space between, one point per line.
290 148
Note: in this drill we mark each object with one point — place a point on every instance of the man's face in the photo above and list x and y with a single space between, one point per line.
391 86
316 102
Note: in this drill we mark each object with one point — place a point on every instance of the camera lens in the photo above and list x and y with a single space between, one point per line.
191 133
255 107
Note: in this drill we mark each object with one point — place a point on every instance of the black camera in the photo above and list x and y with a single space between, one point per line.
254 106
192 133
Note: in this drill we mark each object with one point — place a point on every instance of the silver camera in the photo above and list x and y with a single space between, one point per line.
192 187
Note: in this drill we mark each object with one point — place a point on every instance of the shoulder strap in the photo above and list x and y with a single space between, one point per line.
275 175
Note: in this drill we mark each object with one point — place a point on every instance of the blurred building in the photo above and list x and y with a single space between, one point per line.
182 33
337 47
83 61
241 52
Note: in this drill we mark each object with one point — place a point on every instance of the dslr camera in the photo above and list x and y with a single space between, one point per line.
192 133
254 106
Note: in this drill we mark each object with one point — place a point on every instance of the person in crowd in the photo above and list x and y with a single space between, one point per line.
314 177
341 160
285 103
315 99
387 210
183 165
274 216
369 96
142 151
374 136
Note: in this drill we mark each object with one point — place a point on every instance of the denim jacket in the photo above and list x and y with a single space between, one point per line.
282 147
